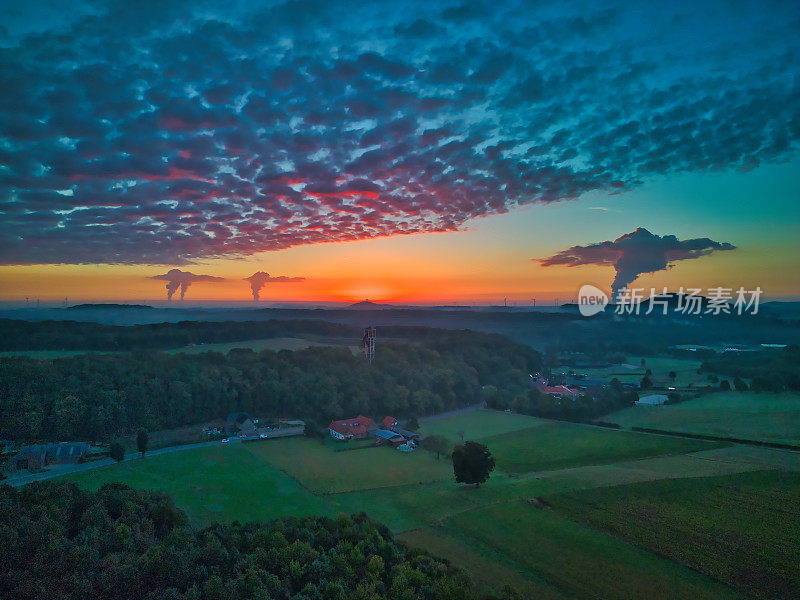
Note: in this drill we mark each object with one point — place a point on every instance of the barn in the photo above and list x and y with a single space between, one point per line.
385 436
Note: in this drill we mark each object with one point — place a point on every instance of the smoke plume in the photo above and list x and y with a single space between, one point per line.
181 280
259 279
635 253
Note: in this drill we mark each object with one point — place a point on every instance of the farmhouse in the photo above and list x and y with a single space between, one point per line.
30 457
389 422
38 456
357 428
542 384
409 435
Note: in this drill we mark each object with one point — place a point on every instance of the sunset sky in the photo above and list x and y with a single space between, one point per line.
430 152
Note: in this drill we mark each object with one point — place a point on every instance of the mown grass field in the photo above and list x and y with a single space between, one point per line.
477 425
319 468
746 415
214 483
490 530
558 445
743 529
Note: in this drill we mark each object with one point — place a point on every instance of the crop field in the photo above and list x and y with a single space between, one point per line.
479 424
559 445
577 560
553 521
747 415
698 522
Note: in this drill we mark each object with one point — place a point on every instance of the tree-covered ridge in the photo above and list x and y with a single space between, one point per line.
62 542
96 397
770 370
75 335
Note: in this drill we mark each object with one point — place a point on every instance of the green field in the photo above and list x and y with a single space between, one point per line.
558 445
478 424
495 531
214 483
51 354
742 529
632 371
745 415
319 468
276 343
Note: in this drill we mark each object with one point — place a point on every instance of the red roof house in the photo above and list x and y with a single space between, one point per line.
544 387
345 429
389 422
561 390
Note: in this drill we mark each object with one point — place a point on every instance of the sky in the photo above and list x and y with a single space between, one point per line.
430 152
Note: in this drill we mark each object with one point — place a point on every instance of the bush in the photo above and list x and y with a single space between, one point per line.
116 451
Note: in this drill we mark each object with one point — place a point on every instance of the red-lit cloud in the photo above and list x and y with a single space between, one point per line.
148 132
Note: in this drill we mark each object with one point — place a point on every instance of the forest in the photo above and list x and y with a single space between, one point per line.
770 370
97 397
62 542
584 408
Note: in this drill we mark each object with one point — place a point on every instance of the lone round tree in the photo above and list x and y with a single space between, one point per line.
117 452
472 463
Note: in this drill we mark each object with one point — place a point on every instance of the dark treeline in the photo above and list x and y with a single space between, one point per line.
101 396
62 542
583 408
75 335
770 370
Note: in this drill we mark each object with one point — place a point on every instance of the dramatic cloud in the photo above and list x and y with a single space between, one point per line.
177 279
260 279
163 132
635 253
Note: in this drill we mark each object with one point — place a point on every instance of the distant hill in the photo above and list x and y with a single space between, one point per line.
109 306
367 305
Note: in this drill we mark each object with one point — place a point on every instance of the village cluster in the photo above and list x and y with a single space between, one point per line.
389 433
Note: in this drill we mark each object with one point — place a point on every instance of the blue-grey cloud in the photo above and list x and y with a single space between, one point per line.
260 278
177 279
166 132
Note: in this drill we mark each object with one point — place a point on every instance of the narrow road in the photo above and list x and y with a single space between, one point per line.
18 479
